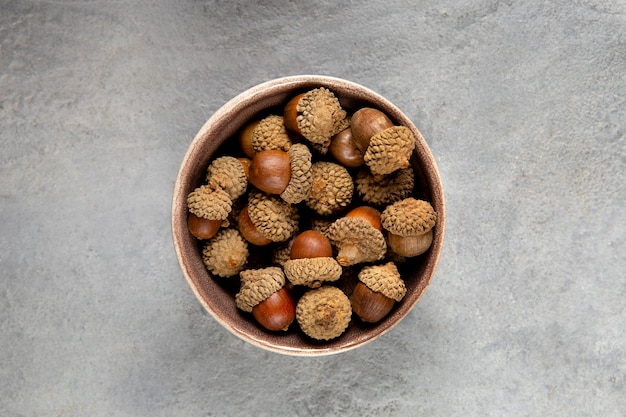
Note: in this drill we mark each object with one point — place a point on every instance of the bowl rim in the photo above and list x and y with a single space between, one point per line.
266 89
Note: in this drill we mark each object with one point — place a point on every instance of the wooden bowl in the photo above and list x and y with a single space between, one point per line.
215 295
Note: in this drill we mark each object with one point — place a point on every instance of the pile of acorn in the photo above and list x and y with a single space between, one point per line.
312 214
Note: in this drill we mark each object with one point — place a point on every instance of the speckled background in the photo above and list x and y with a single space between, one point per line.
524 107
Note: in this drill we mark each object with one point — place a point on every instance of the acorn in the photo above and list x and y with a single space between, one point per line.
377 291
249 231
409 224
332 188
369 214
229 174
390 150
202 228
267 218
324 313
245 138
370 306
356 240
208 210
344 150
311 244
382 190
311 262
365 123
316 115
270 171
262 293
265 134
226 254
285 173
276 312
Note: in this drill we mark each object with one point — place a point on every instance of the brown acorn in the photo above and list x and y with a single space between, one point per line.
365 123
276 312
370 306
202 228
344 150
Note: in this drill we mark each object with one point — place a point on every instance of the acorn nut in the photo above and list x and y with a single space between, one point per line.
270 171
316 115
202 228
324 313
369 214
267 218
356 241
276 312
344 150
208 211
285 173
409 224
331 190
377 291
311 244
382 190
261 291
311 261
365 123
249 231
226 253
266 134
370 306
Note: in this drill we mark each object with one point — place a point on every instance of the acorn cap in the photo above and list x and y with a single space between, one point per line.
301 181
381 190
209 203
227 173
332 188
390 150
276 219
320 116
324 313
408 217
384 279
257 285
226 253
357 241
312 271
281 254
270 134
321 225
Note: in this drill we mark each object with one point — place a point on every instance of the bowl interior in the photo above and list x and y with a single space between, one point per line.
217 136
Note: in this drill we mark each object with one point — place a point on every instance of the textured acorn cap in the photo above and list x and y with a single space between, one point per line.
389 150
276 219
384 279
320 116
257 285
227 173
209 203
312 271
408 217
270 134
332 188
324 313
321 225
226 253
381 190
301 181
357 241
281 255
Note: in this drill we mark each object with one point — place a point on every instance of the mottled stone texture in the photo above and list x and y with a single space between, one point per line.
522 102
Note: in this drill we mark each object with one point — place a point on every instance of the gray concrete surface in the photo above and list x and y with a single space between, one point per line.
522 102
